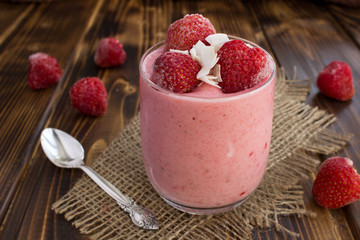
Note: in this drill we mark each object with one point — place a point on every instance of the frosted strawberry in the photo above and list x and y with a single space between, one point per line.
337 184
336 81
186 32
89 96
44 71
109 53
240 66
176 72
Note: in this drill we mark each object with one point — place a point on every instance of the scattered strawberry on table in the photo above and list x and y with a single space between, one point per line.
337 183
176 72
44 71
89 96
187 31
336 81
109 53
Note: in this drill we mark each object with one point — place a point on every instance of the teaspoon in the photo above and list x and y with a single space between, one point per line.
65 151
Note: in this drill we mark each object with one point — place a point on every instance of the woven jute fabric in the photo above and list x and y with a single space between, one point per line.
300 132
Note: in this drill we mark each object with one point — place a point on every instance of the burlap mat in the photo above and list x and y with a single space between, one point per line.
299 132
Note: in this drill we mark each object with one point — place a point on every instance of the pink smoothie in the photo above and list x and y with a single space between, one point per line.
205 149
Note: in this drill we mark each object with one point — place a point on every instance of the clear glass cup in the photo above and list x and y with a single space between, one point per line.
205 153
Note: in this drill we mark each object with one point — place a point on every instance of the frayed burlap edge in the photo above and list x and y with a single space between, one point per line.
299 133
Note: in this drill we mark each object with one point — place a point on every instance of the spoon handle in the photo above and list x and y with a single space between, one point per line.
108 187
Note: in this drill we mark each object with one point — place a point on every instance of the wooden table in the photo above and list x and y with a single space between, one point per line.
304 34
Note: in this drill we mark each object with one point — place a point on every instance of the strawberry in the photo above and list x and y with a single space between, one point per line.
239 66
337 184
176 72
186 32
109 53
89 96
44 71
336 81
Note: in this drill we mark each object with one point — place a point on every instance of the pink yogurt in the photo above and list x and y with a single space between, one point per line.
206 151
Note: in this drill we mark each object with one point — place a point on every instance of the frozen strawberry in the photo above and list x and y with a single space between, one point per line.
337 184
176 72
109 53
186 32
336 81
240 66
44 71
89 96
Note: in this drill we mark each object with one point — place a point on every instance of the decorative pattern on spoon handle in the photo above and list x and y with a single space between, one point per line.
142 217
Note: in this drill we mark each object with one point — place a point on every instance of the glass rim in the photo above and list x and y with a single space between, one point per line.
226 96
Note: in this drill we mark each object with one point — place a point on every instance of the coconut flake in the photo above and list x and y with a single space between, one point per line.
180 51
216 73
209 80
207 57
203 72
217 40
193 55
195 51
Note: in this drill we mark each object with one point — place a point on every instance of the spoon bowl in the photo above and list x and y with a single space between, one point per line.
62 149
65 151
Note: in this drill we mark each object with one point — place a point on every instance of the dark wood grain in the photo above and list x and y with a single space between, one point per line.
40 31
18 101
304 34
349 19
309 40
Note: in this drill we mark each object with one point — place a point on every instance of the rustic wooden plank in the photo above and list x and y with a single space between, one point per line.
112 18
140 24
88 134
305 35
18 101
349 19
11 16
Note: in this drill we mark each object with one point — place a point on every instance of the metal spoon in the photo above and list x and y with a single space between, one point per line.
65 151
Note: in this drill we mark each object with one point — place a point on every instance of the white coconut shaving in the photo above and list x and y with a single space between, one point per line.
186 52
217 40
207 57
216 73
